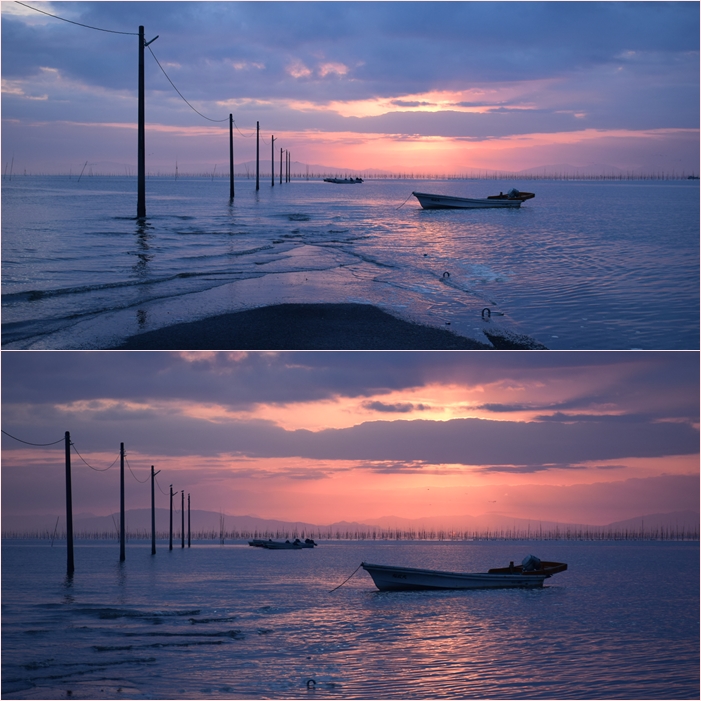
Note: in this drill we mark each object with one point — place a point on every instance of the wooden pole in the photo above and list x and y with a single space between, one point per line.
272 161
257 155
122 539
182 518
153 511
70 564
280 166
188 521
170 546
231 157
141 165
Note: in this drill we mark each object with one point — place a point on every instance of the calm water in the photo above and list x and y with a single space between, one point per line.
238 622
584 265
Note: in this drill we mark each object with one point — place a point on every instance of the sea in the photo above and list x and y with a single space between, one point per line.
235 622
588 264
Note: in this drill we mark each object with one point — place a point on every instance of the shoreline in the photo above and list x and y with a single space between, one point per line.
326 326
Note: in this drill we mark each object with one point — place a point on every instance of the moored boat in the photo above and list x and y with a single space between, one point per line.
296 544
510 200
343 181
530 574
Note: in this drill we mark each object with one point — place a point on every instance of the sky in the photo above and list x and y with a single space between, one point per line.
577 437
420 87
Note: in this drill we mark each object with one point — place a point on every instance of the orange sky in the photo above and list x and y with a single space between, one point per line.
581 437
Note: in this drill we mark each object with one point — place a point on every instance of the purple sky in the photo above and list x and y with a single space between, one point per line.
426 87
320 437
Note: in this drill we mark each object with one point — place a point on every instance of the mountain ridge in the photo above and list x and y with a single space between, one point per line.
203 521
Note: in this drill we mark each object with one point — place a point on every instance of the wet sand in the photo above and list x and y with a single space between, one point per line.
313 327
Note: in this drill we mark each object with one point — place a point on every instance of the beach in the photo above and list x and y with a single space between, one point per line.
314 327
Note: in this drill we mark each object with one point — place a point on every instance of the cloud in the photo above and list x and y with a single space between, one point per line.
399 407
649 385
623 65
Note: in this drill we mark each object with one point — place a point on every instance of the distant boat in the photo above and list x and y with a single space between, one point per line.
532 573
296 544
512 199
343 181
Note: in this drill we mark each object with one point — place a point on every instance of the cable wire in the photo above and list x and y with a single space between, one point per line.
165 494
179 93
28 443
134 476
97 469
87 26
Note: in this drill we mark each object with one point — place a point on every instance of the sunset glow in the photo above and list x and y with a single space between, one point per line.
376 89
585 438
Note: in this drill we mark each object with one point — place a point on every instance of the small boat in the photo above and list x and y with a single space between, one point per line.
510 200
532 573
269 544
343 181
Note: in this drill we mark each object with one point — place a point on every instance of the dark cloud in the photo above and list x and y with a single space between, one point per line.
398 408
626 65
655 384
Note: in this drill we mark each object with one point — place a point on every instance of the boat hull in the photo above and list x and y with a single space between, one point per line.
277 545
445 202
390 578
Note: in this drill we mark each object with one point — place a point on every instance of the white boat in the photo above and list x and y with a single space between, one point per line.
510 200
391 578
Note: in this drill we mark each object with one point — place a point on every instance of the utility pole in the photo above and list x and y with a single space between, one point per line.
257 154
141 161
231 157
188 520
122 553
280 166
182 518
272 161
170 547
70 565
153 511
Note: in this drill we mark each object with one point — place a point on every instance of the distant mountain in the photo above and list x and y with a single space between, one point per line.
139 521
570 170
678 519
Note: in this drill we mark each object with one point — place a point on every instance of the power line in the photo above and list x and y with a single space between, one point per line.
178 91
97 469
28 443
87 26
159 486
133 475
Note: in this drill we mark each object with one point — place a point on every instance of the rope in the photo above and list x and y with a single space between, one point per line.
87 26
28 443
405 201
97 469
179 93
342 583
